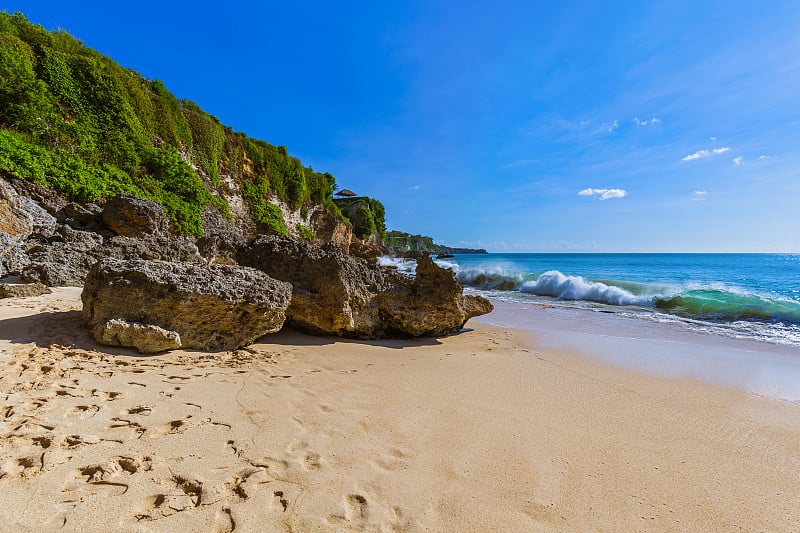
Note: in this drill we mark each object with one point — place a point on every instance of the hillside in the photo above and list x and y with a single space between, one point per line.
73 120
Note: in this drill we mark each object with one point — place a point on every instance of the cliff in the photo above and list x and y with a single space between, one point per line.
76 122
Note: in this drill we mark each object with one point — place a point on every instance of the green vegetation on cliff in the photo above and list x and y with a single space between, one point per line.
74 120
422 243
367 215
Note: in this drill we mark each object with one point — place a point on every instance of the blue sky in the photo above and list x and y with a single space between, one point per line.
514 126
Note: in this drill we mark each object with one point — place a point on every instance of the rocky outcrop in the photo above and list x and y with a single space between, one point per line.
130 216
366 250
20 218
221 247
430 304
336 294
332 292
65 258
62 259
210 307
329 228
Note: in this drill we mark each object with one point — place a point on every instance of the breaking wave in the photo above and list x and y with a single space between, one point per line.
708 303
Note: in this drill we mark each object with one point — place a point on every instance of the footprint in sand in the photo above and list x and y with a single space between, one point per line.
83 411
393 459
312 461
23 467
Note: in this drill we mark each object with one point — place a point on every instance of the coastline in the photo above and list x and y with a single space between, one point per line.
492 429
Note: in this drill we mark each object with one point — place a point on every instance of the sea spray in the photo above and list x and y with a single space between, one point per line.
558 285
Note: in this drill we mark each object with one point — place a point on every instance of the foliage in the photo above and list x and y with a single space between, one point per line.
305 232
366 224
421 243
367 215
272 219
73 119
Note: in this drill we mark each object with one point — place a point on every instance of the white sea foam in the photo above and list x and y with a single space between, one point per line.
406 266
554 283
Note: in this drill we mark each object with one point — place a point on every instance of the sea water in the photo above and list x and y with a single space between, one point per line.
753 296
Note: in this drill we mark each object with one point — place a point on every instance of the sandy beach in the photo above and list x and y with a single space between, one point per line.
488 430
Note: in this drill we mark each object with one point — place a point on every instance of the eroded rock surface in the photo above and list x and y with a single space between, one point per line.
431 304
211 307
336 294
144 337
130 216
22 290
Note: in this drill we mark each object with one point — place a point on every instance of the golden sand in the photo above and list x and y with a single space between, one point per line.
480 431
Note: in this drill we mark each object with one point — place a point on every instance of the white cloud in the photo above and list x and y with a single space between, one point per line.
652 122
712 139
701 193
738 160
761 157
705 153
604 194
699 196
416 188
611 126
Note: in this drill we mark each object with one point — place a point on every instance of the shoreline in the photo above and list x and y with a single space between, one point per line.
657 348
485 430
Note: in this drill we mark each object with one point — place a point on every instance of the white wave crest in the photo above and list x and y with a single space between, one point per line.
554 283
406 266
495 277
447 264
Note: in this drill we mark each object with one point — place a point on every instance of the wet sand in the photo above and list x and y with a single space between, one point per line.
491 430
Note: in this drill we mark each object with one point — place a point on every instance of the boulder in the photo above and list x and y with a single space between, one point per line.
22 290
143 337
130 216
20 217
210 307
332 292
63 259
152 247
336 294
221 247
87 217
430 304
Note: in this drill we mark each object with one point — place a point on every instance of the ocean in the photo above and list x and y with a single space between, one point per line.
752 296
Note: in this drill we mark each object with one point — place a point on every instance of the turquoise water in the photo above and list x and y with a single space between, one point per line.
739 295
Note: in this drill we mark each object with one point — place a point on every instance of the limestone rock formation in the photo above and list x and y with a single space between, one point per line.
144 337
431 304
130 216
332 292
20 217
65 258
62 259
22 290
211 307
336 294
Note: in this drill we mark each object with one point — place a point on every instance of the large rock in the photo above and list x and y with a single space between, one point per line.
130 216
210 307
336 294
332 292
431 304
20 217
65 258
143 337
22 290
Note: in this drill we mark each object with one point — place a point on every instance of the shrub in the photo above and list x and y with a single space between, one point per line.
305 232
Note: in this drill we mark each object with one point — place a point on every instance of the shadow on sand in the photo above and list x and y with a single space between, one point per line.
65 328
